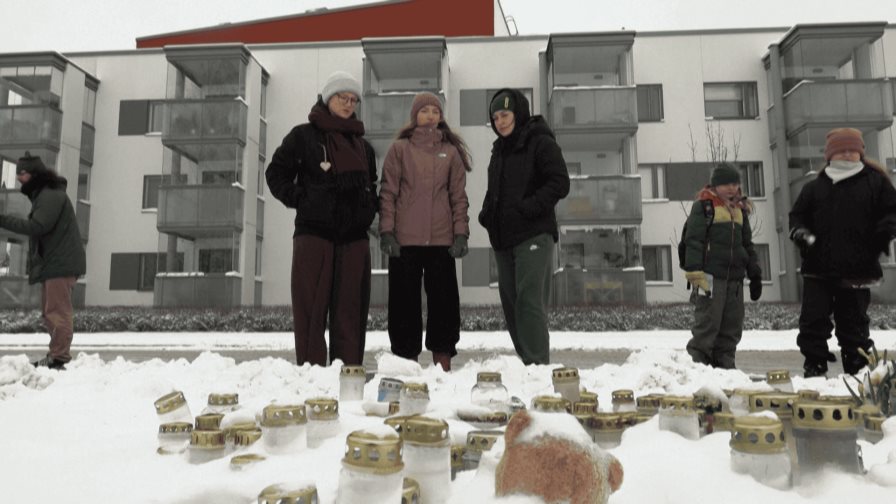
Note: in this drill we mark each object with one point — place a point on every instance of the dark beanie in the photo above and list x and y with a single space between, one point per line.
502 101
30 164
841 139
724 173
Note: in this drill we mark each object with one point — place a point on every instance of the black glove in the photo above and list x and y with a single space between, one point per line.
389 245
459 248
755 288
803 238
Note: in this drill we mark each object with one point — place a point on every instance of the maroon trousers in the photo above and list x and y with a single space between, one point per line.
330 280
58 314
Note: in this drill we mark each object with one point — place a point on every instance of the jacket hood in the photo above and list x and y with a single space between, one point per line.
521 112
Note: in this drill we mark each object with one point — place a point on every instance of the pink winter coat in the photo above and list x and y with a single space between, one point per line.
423 197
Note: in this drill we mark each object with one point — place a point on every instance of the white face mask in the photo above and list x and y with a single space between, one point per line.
839 164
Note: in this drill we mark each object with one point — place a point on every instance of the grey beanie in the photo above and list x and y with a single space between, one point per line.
340 82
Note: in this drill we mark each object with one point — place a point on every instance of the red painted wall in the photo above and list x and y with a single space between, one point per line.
408 18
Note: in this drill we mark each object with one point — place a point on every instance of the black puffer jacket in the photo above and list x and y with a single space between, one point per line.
526 178
852 220
296 178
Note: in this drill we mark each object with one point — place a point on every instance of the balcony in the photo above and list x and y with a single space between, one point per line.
30 125
573 286
193 211
83 217
16 204
384 115
610 109
209 290
259 217
88 137
855 103
15 292
602 200
195 121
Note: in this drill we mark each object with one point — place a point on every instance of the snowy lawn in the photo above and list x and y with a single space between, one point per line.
88 434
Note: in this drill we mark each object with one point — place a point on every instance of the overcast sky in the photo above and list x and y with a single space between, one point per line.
87 25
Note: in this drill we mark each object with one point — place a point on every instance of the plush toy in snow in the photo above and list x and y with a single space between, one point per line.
549 455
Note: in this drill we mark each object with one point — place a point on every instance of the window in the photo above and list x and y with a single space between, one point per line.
657 263
137 271
261 179
151 184
572 255
730 100
84 182
752 182
258 256
653 181
650 102
218 177
219 260
765 261
139 117
479 268
89 111
474 105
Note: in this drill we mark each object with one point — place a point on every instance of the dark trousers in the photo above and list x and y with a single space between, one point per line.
58 314
849 306
718 324
332 280
524 283
436 269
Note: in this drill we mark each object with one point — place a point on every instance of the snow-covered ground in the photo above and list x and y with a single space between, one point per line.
88 434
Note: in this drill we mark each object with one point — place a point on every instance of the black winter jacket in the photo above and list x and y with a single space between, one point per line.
525 182
853 222
295 177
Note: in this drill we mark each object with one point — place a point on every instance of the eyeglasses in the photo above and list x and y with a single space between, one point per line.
348 99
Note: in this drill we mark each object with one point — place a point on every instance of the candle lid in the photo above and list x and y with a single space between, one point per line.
209 421
649 401
281 415
683 403
241 461
415 387
813 395
482 441
322 408
565 374
606 422
824 415
757 434
368 452
410 493
488 377
723 421
586 396
623 396
170 402
551 404
353 371
874 422
280 494
207 439
778 402
777 376
223 399
421 430
175 428
398 422
584 407
246 437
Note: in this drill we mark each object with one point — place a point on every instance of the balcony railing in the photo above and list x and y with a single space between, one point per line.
16 204
30 124
574 286
195 210
210 290
15 292
607 108
190 121
839 103
83 217
384 115
259 217
88 137
600 200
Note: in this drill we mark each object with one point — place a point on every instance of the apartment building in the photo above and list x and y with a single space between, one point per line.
169 145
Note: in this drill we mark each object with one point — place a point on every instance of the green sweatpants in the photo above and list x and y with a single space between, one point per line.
524 282
718 324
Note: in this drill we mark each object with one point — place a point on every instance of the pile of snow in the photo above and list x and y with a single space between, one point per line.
88 434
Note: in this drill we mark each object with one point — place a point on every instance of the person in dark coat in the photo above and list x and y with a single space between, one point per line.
842 221
719 253
327 171
527 176
56 256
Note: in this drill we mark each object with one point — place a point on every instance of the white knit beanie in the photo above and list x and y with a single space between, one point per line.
340 82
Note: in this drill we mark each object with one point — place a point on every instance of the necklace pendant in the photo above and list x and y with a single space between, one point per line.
325 165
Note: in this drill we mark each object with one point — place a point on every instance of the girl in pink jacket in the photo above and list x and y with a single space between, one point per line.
423 228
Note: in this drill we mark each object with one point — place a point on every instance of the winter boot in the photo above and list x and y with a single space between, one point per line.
442 359
814 368
853 362
49 362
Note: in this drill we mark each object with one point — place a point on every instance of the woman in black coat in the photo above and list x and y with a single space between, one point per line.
842 221
526 178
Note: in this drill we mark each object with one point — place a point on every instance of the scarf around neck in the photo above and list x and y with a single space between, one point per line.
344 149
839 171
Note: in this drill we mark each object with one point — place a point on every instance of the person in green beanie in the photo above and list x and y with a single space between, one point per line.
527 176
719 253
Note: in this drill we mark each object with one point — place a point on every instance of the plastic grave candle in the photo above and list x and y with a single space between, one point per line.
873 428
457 459
779 380
413 399
206 446
323 420
230 432
372 467
389 390
173 408
209 421
427 457
781 404
678 414
282 494
584 407
566 383
351 383
624 400
551 404
410 493
586 396
825 434
174 437
490 393
246 461
808 394
244 438
477 443
606 429
758 448
222 403
283 428
862 412
649 404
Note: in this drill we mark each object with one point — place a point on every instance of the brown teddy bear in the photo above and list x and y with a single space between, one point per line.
551 456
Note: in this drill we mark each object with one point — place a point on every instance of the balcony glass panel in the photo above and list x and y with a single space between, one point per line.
600 248
207 77
191 210
822 58
263 138
88 137
595 108
15 292
587 65
598 200
196 120
13 256
596 287
213 290
30 124
220 163
259 219
82 215
384 115
28 85
404 71
840 103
